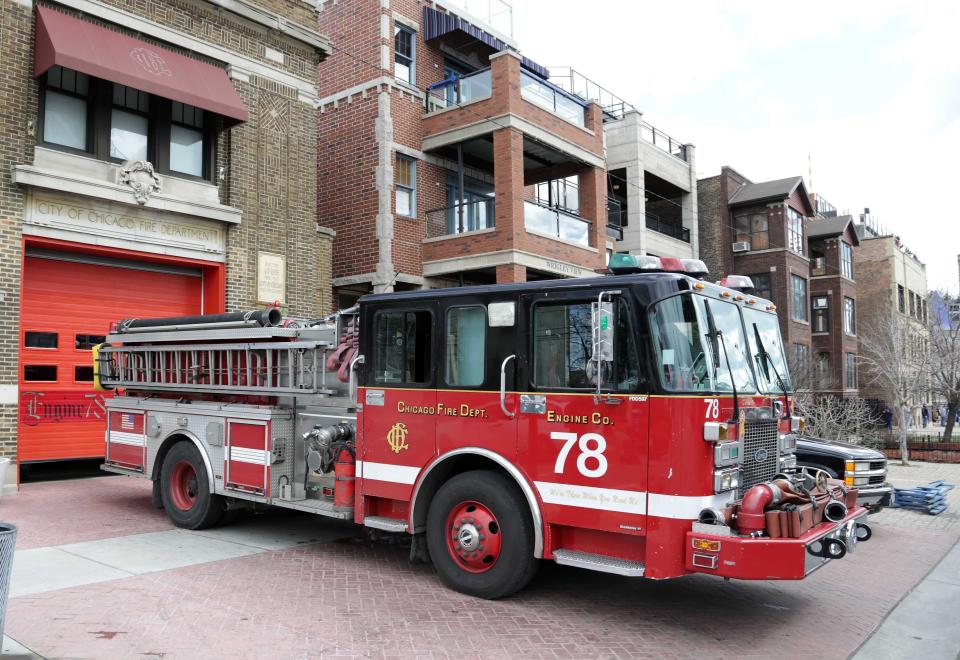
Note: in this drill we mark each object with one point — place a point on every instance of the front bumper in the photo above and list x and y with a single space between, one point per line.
763 558
877 497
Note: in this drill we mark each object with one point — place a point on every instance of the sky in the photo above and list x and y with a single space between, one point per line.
862 99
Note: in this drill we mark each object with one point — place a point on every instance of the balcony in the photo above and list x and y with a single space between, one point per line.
616 219
556 223
659 139
459 90
471 216
496 14
670 228
553 99
818 266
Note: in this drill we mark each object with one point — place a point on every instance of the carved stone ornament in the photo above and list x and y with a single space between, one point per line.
139 175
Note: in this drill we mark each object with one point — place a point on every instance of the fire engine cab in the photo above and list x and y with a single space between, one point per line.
637 423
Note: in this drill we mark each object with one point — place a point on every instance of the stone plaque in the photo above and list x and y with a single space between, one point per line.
271 278
146 229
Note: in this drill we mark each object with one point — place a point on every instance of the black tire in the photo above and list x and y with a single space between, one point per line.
515 565
206 509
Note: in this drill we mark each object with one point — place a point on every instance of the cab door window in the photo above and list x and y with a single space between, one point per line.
466 343
402 347
563 348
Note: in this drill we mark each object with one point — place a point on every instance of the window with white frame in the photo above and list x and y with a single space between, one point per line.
405 180
849 316
798 298
846 260
404 48
794 230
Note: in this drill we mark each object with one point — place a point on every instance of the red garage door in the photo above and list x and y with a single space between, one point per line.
68 303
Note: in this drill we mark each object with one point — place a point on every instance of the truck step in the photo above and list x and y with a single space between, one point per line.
600 563
385 524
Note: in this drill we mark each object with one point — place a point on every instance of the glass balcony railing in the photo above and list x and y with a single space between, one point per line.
552 98
556 223
671 228
459 90
472 215
495 13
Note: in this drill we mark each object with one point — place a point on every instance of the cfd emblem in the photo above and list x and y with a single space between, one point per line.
397 437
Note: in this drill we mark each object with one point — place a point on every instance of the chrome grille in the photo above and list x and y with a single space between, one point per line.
760 459
878 465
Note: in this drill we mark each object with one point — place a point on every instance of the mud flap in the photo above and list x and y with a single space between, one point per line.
419 554
157 501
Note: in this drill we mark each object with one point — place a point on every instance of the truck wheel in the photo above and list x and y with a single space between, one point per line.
480 535
185 490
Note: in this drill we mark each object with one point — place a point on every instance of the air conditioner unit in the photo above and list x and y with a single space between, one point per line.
742 246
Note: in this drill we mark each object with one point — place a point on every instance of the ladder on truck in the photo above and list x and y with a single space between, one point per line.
285 361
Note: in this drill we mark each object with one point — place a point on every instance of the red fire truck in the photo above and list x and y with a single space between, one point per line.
637 423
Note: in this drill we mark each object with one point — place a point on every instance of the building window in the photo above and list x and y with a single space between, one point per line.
404 45
913 304
801 359
129 123
794 230
40 339
751 227
821 314
66 101
798 298
850 370
846 260
822 373
900 304
466 341
405 177
186 139
87 342
120 123
36 373
849 317
762 287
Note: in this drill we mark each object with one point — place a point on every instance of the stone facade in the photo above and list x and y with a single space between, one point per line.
262 195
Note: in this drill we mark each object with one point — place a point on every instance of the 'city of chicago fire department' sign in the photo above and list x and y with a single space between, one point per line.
63 406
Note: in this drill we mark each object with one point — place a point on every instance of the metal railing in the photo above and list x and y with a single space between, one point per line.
556 223
458 90
671 228
616 218
473 215
553 98
495 13
658 138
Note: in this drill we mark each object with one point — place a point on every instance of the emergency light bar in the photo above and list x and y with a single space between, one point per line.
622 263
737 282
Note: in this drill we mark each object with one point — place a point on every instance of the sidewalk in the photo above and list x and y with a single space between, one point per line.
926 623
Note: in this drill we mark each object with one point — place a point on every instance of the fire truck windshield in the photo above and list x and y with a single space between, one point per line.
685 348
763 332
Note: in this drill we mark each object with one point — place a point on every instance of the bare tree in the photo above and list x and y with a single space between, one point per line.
826 414
945 360
894 355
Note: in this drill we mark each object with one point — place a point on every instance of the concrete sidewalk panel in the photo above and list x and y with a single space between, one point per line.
46 569
158 551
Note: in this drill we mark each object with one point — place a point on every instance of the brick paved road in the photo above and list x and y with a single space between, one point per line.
324 591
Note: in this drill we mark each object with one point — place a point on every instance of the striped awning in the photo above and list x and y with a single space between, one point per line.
437 24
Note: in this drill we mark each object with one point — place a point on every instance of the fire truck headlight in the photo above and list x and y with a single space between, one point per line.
724 480
788 443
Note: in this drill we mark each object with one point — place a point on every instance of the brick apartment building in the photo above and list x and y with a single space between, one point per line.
892 281
798 258
446 157
162 160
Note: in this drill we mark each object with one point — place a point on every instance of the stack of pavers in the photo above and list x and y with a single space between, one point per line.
931 498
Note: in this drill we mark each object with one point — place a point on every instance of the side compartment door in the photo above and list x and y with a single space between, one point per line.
399 400
587 455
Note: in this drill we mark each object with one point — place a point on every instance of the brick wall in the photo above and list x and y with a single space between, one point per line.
269 162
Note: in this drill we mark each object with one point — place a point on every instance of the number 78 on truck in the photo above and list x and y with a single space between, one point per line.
639 423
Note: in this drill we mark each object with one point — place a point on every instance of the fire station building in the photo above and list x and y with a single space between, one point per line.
159 159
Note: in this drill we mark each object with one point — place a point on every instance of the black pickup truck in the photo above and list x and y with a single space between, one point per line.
857 466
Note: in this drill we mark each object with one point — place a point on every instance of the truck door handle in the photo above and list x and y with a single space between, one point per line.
503 387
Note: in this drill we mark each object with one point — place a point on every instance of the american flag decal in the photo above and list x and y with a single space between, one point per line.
126 422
